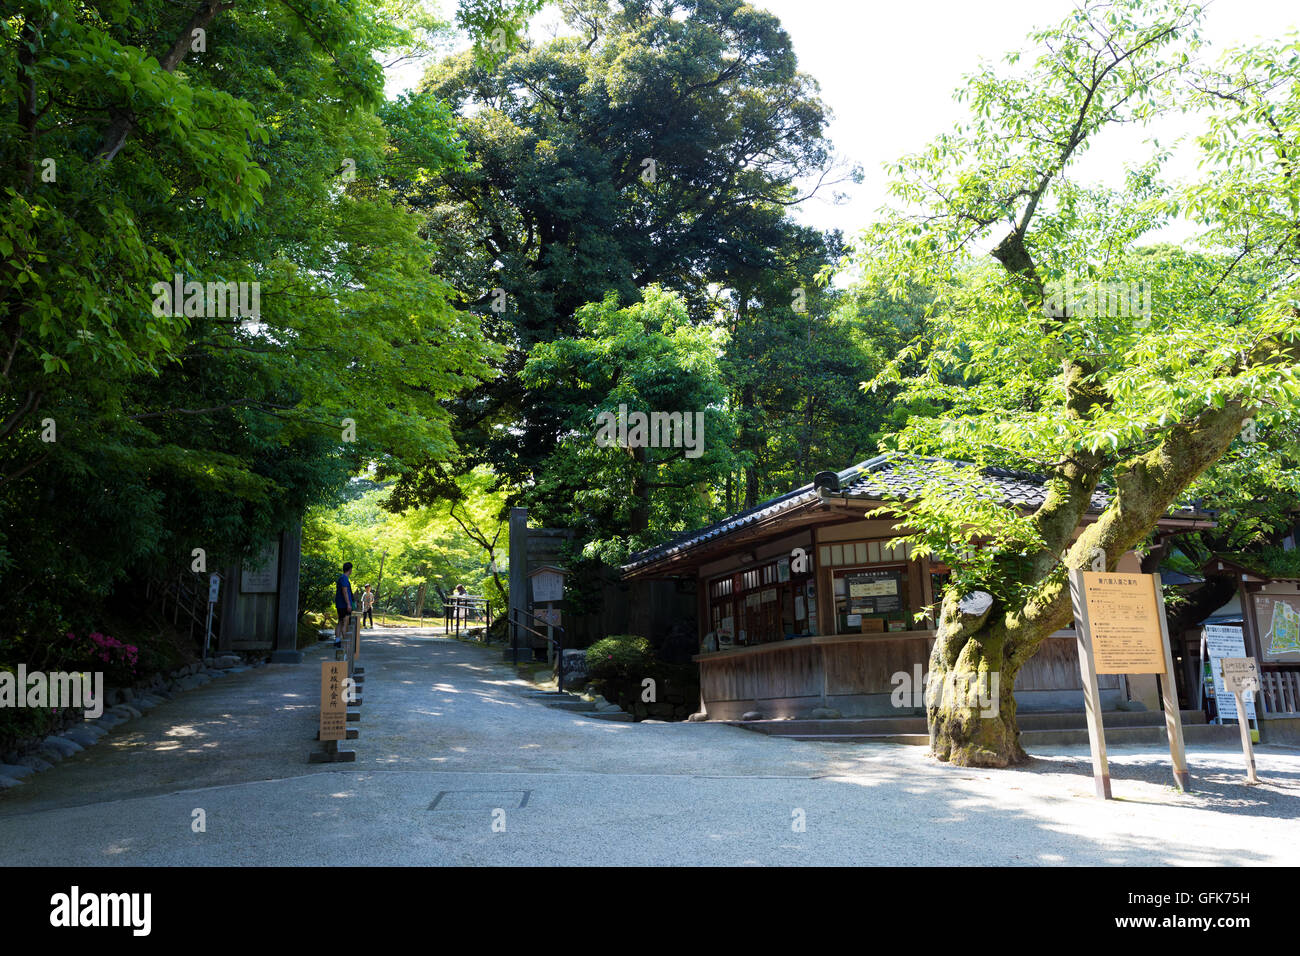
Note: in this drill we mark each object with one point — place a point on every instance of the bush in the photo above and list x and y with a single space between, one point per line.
619 657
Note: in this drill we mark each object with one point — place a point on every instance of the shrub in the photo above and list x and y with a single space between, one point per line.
619 657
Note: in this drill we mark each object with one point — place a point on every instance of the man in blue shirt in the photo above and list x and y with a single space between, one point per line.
342 603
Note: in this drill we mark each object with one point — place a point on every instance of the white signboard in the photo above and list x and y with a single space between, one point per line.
547 586
1225 640
1241 676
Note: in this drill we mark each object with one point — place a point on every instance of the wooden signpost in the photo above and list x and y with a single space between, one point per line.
1120 628
1241 677
333 714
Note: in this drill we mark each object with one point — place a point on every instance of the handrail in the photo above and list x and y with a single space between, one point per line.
556 639
454 606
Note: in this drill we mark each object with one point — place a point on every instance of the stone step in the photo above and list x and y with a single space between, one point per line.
876 726
1225 735
576 704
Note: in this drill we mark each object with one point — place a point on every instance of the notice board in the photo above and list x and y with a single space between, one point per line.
874 592
1124 621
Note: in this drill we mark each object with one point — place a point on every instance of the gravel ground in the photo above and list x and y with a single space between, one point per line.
455 765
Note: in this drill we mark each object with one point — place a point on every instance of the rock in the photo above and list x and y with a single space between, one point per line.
7 782
826 713
126 711
145 703
128 695
698 717
648 721
89 727
753 715
201 678
187 683
15 771
81 736
108 721
50 753
227 661
63 745
36 763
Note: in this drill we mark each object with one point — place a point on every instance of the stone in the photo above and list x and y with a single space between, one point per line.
698 717
752 715
35 762
826 713
15 770
126 711
50 753
7 782
144 703
228 661
63 745
81 736
201 678
91 728
128 695
106 722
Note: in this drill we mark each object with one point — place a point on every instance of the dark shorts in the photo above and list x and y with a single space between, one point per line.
343 612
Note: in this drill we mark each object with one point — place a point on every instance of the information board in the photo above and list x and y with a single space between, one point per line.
1125 623
333 706
259 575
1225 640
874 592
1278 618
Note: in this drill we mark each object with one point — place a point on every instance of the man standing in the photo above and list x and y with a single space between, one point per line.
342 603
367 607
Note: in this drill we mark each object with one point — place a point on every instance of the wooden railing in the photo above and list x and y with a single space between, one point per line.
1280 692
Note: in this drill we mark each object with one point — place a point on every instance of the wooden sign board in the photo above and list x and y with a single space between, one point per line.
548 585
1241 675
1119 618
1127 627
333 706
260 575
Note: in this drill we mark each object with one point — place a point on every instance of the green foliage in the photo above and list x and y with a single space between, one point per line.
646 357
1010 370
620 657
267 157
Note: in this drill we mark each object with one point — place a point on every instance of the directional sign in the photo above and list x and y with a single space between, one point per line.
1241 675
214 585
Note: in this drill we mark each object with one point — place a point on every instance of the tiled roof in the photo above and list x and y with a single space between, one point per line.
892 477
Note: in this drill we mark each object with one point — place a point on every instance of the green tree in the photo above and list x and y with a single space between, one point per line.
1023 376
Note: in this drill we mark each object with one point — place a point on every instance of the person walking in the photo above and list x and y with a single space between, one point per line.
367 607
342 603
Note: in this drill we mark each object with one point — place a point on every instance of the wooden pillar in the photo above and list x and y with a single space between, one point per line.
286 633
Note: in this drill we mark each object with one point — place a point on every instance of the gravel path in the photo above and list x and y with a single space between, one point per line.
455 765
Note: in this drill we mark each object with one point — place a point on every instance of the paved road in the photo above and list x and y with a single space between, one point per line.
456 766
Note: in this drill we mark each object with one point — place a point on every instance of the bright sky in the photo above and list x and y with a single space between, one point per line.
888 69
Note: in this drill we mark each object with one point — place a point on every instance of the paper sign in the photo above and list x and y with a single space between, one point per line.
1225 642
1240 675
333 706
1125 624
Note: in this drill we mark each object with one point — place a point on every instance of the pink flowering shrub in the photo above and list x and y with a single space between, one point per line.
98 652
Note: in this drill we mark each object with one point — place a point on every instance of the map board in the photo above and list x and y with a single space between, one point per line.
1278 619
1125 623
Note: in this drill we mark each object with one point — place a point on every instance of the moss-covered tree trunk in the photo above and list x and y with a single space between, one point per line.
981 645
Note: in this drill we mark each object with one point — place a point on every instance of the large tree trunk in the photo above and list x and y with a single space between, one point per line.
970 702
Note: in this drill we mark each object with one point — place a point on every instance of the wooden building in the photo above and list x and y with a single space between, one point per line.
803 605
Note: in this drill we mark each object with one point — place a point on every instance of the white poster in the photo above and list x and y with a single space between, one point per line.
1225 641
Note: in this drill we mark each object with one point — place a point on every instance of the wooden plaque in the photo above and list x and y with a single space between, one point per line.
333 706
1125 623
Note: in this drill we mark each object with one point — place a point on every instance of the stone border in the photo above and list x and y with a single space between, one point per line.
120 706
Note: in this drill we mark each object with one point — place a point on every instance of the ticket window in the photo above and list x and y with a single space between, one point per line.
872 599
